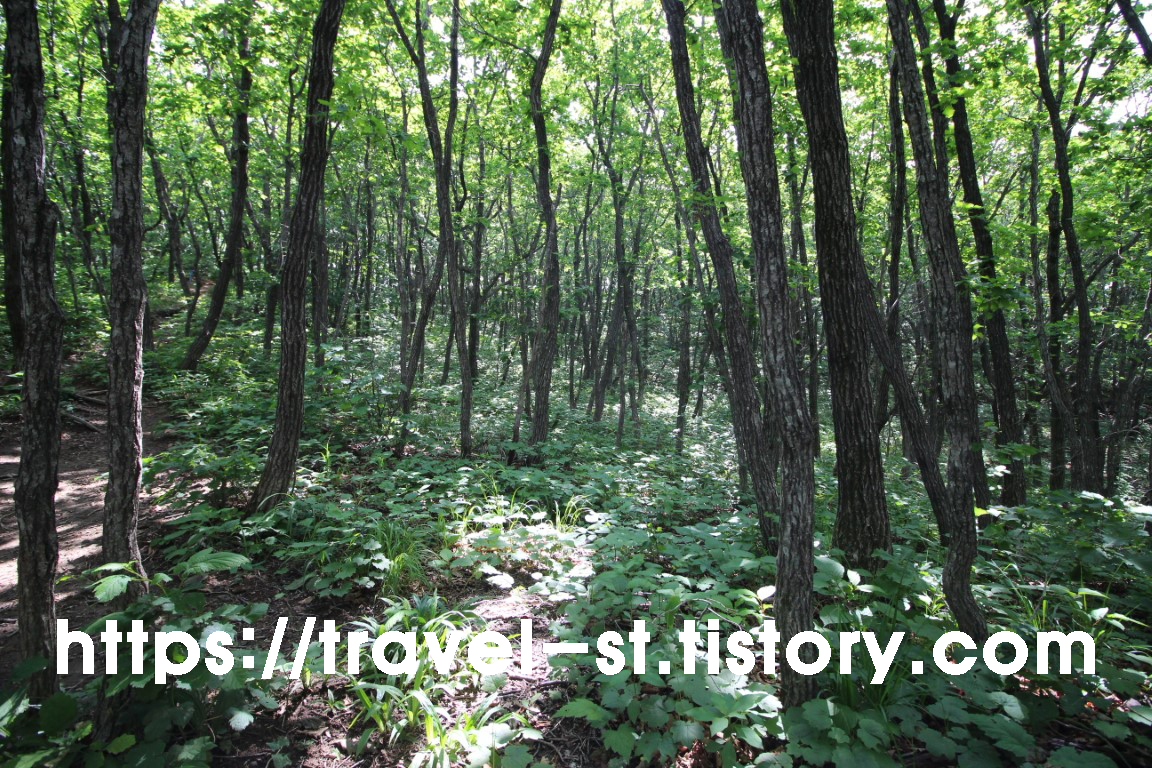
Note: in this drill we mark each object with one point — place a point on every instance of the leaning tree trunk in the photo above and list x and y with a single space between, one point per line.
234 240
31 217
1132 19
1087 453
129 43
862 525
1009 430
741 36
747 419
544 339
953 306
280 468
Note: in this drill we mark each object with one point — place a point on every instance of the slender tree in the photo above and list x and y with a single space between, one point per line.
952 305
128 42
862 525
1009 430
232 263
544 339
742 38
441 144
747 418
31 218
1087 448
280 467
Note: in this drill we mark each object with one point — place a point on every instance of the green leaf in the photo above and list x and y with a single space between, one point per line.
57 713
120 743
111 587
589 710
621 740
1068 757
208 560
1142 715
516 756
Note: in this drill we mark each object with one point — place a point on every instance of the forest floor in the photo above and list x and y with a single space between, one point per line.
592 537
79 513
306 717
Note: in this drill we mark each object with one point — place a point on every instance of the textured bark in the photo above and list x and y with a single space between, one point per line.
32 218
747 419
741 36
280 467
318 266
799 245
544 339
441 145
170 216
129 43
234 239
13 300
1009 430
862 525
1132 19
952 305
1087 448
1062 409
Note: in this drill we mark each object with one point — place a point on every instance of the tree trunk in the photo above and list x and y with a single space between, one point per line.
171 218
952 305
441 145
741 36
129 43
1132 19
862 512
234 240
1009 430
31 218
747 419
280 467
1087 448
544 340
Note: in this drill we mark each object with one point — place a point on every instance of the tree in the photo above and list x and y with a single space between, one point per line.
952 305
1009 430
861 509
544 340
441 144
747 418
1087 448
280 466
232 263
741 37
31 218
127 42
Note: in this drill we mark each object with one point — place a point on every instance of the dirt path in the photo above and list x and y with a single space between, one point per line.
79 515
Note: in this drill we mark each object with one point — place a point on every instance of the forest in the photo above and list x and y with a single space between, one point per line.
576 383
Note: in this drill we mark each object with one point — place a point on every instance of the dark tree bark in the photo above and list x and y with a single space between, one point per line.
318 263
31 218
129 43
441 144
952 305
862 512
234 239
544 339
799 245
171 218
1132 19
1009 430
280 467
1087 448
747 419
741 36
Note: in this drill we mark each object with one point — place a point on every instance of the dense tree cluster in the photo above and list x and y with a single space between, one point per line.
876 222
